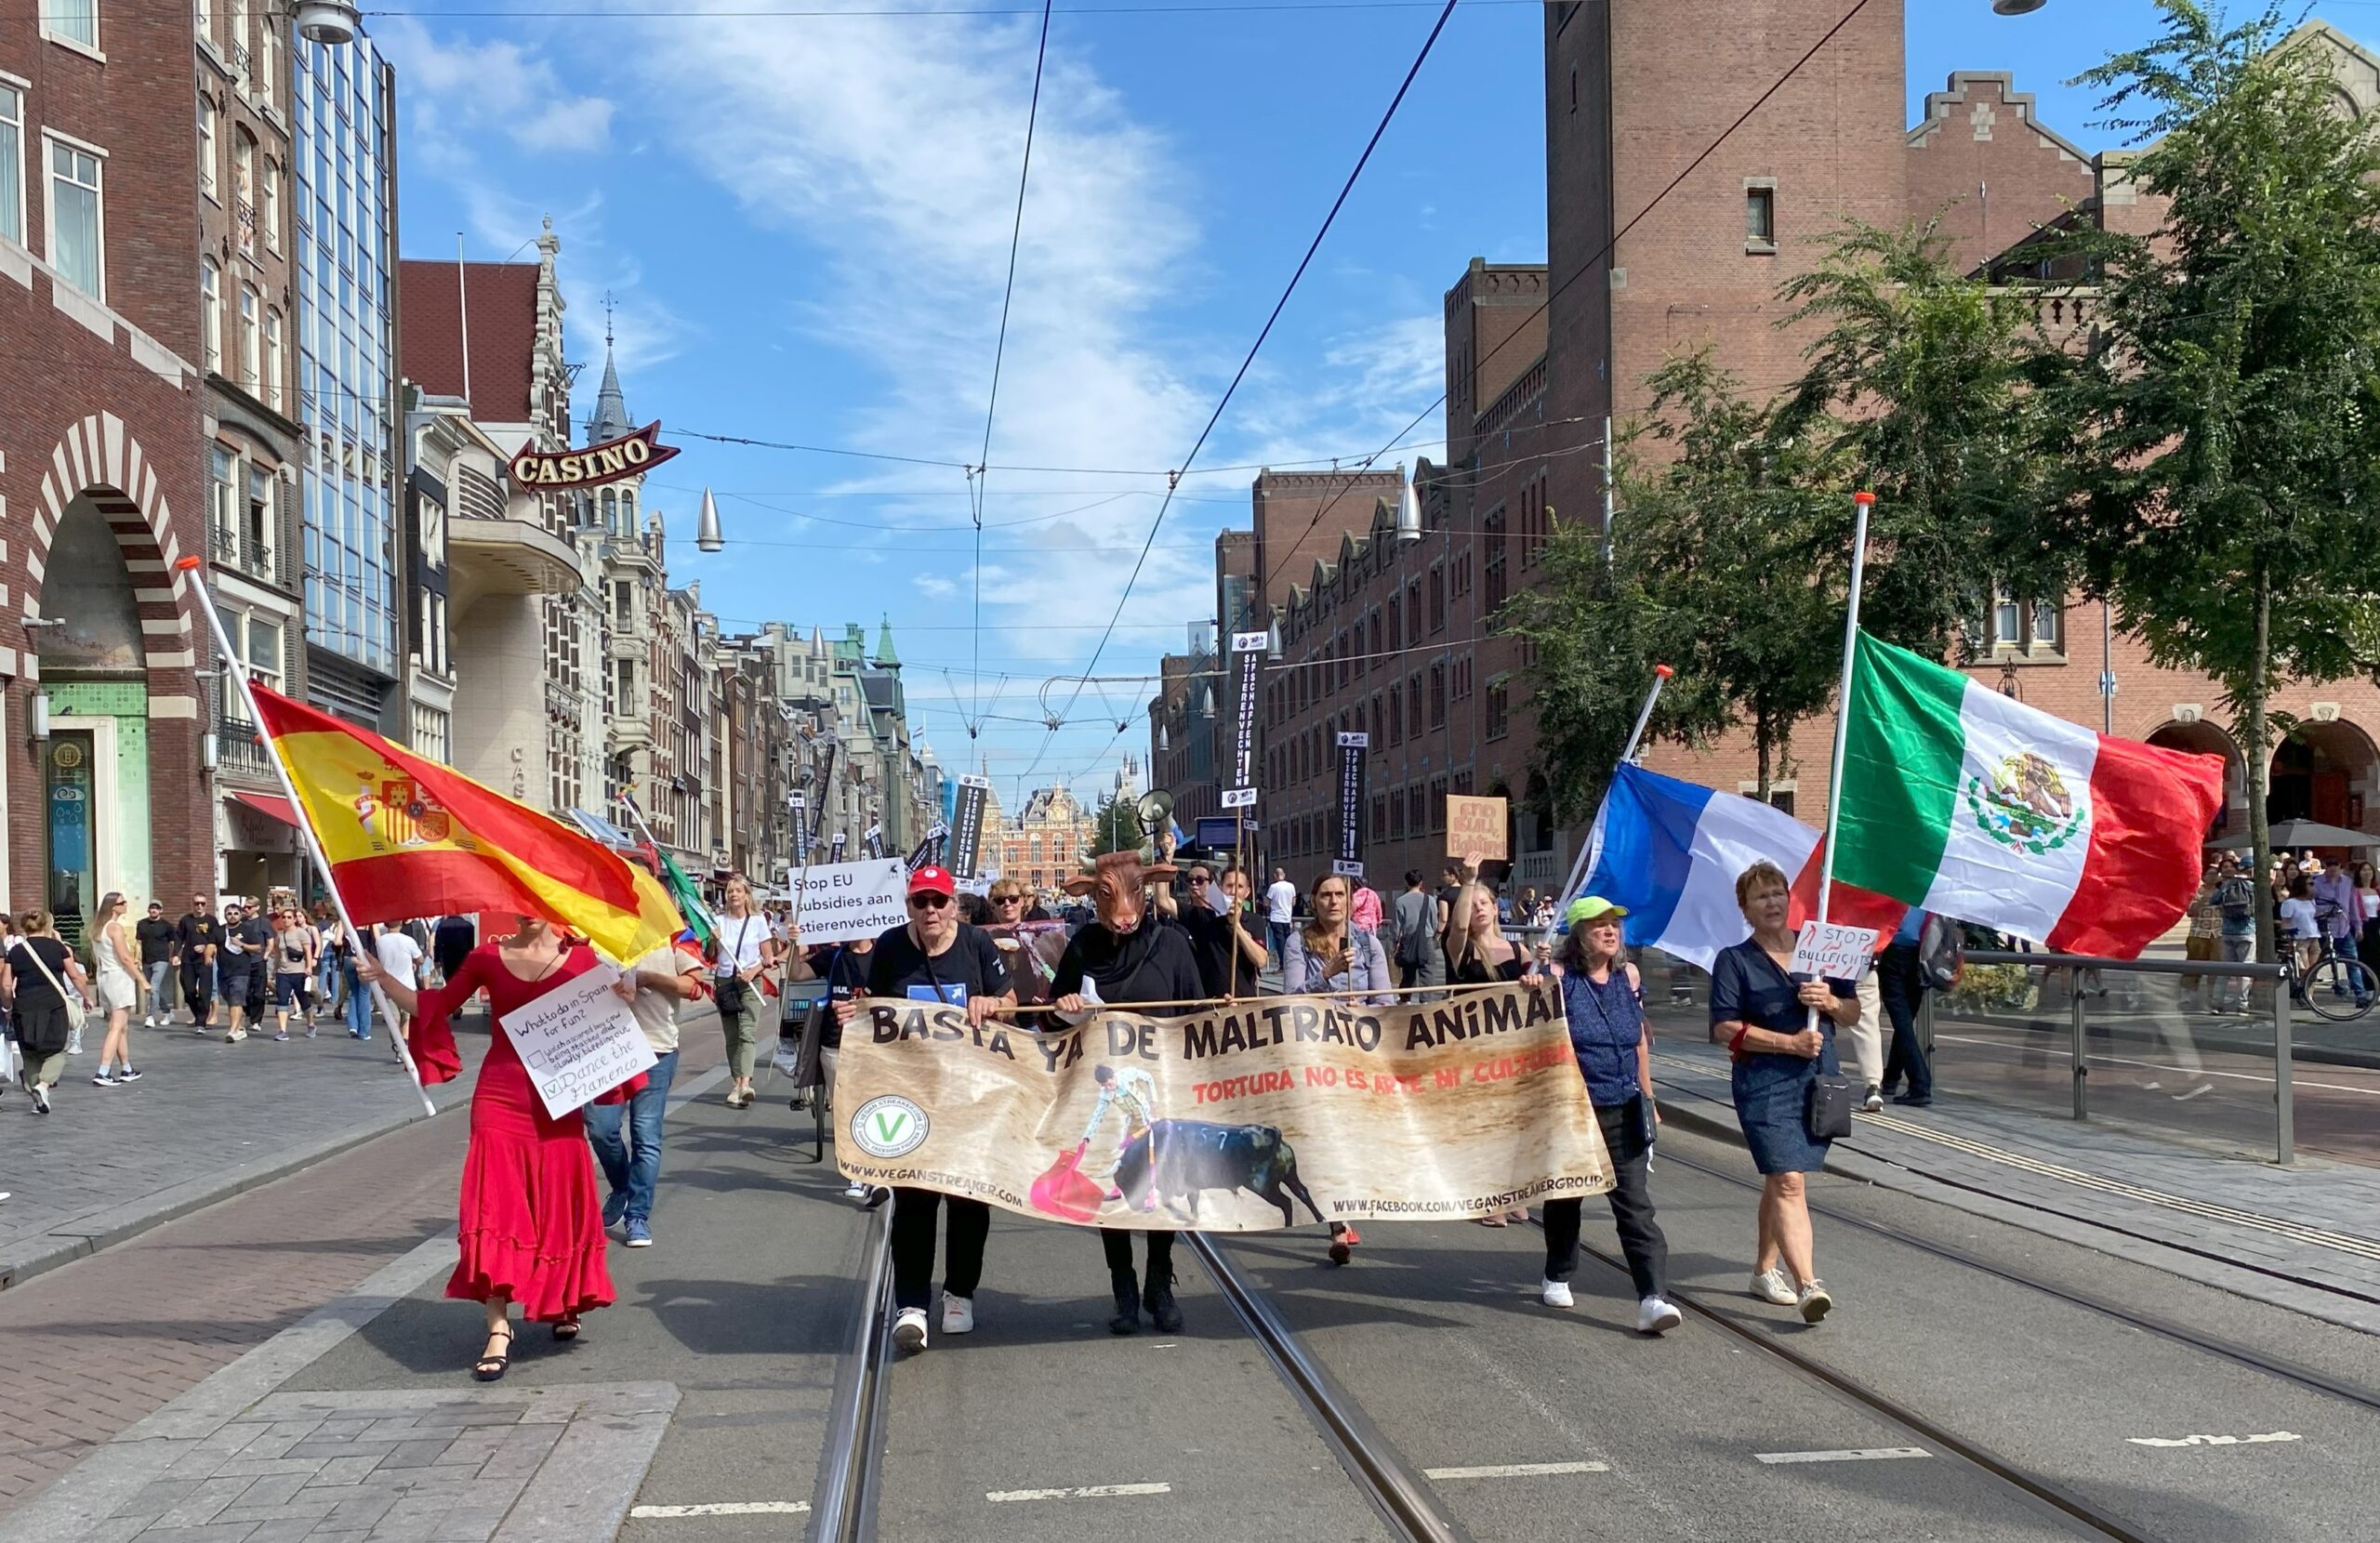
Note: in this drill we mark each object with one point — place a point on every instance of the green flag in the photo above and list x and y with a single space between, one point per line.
689 899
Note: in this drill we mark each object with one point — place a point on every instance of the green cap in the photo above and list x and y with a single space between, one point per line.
1591 907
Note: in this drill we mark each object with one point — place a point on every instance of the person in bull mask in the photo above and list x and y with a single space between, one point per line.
1123 957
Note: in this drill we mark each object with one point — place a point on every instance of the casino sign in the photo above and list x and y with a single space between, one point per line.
629 455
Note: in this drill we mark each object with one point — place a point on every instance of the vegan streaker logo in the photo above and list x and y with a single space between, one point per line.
889 1126
2026 806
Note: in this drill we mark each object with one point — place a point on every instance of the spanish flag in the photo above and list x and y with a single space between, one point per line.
406 837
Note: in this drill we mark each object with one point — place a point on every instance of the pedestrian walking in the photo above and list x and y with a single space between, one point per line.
1761 1013
44 1006
1331 955
332 955
153 936
2301 928
1602 1003
1901 983
846 974
2235 899
936 957
1419 960
1363 908
395 950
1126 957
119 990
451 943
627 1136
242 962
2367 892
1280 910
293 967
2205 939
529 1222
744 949
198 938
1478 954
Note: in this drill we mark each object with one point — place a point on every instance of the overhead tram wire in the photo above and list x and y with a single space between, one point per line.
976 478
1264 580
1174 480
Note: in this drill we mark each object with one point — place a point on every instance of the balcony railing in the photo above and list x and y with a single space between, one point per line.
249 554
246 214
237 747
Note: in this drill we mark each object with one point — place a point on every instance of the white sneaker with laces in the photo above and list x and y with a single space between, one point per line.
856 1191
1655 1316
1555 1294
75 1042
909 1329
1814 1300
1772 1286
1874 1103
957 1314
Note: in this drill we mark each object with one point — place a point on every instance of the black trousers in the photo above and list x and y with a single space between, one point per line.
962 1264
198 988
1117 1242
1899 983
1631 1205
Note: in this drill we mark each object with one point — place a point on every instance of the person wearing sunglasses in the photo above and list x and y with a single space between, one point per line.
936 957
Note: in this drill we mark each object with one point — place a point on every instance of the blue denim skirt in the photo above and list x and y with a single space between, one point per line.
1772 1100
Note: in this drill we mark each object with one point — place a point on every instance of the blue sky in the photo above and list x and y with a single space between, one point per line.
805 224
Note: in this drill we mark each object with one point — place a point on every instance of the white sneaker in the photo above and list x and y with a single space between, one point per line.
856 1191
909 1329
1555 1294
1772 1286
1655 1317
1874 1103
75 1043
1814 1300
957 1314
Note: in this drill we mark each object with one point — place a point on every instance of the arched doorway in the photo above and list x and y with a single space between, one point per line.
2323 771
2200 737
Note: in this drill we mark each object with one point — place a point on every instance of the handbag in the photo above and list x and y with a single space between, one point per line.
730 991
1827 1112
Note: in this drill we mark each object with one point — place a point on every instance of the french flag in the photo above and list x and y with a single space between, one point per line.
1669 852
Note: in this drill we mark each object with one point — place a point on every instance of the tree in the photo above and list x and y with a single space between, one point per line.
1116 827
2224 428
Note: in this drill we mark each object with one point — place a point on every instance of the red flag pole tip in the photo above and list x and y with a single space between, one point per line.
1663 671
186 564
1863 497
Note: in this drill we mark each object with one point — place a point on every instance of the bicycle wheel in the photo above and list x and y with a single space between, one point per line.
2340 989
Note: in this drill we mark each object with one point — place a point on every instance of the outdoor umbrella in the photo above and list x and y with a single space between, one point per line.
2301 833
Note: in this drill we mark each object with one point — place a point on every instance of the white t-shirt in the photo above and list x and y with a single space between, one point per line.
739 944
1283 899
399 955
2299 914
656 1011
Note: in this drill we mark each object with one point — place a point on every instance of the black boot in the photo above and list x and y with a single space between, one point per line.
1164 1311
1128 1302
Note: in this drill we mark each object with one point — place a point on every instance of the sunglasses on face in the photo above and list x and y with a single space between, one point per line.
931 902
1008 900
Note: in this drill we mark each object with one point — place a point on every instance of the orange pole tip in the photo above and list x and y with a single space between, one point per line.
1663 671
1863 497
186 564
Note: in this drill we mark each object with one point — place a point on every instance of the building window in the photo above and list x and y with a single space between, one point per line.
1437 599
244 190
1494 565
273 360
204 14
207 116
268 69
2046 623
72 22
210 321
626 685
260 532
1760 219
223 504
251 342
76 230
269 203
1438 695
2007 620
1498 707
258 643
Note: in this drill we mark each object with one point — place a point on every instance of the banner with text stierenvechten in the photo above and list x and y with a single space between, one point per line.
1239 1116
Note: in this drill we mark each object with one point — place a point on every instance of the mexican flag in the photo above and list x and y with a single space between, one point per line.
1963 801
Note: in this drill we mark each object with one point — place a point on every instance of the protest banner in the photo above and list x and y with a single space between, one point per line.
1250 648
1276 1112
966 826
1348 860
871 843
842 901
577 1040
1833 951
1475 828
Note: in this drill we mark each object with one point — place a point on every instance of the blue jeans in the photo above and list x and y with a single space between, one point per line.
633 1164
2345 948
359 1003
1277 935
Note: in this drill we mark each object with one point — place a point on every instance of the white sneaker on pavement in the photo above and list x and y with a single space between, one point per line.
957 1314
1772 1286
909 1329
856 1191
1555 1294
1653 1315
1815 1301
75 1043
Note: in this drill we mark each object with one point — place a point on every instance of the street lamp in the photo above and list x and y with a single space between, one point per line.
2016 8
330 21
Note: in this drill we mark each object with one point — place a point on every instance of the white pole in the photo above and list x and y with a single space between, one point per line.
1662 674
236 669
1862 503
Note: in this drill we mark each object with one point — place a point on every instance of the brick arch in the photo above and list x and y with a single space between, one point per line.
99 459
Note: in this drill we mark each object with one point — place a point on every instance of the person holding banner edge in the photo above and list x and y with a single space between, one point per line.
1330 955
1760 1011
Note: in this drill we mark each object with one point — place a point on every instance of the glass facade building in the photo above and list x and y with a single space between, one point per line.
347 366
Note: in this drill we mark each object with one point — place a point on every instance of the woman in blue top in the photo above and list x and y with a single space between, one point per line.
1604 1001
1761 1014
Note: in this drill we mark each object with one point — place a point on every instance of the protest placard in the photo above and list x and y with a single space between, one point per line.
1475 828
1831 951
577 1040
842 901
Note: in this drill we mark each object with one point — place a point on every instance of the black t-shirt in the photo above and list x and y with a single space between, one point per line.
972 967
1152 964
253 937
1209 935
157 939
196 932
846 976
33 990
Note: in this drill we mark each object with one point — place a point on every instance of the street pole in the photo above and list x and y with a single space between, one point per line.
1863 503
236 668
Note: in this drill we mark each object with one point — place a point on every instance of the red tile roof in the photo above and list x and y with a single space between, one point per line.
503 326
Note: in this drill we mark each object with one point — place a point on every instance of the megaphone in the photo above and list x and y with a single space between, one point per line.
1156 812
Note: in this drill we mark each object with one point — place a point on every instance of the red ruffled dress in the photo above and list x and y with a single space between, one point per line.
531 1225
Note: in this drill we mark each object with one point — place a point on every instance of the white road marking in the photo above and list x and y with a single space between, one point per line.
1085 1492
1515 1471
2213 1441
724 1507
1851 1454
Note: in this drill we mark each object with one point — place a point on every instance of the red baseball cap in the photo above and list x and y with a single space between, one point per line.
932 881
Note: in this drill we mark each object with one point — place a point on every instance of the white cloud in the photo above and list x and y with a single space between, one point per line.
455 90
936 586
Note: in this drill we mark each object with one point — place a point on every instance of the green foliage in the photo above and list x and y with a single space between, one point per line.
1116 826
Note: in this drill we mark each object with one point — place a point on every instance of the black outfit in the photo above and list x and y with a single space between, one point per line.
1209 932
453 942
1899 982
1152 963
1473 970
250 967
155 935
42 1022
970 967
846 977
195 934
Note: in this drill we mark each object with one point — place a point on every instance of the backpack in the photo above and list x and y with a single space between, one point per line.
1941 952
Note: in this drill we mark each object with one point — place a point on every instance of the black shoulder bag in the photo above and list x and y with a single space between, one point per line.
731 990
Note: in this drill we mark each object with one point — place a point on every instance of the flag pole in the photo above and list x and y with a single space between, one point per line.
1861 503
235 669
1662 674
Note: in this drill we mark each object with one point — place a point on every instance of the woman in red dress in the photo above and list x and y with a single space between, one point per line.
531 1228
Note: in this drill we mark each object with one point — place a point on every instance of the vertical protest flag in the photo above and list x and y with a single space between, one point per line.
835 850
966 826
1248 649
871 843
798 804
1587 849
1348 863
684 893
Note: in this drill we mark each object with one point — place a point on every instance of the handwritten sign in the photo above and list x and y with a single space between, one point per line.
1475 828
578 1040
839 901
1831 951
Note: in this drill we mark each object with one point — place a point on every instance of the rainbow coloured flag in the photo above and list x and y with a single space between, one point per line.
406 837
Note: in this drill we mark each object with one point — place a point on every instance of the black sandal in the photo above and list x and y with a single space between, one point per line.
567 1329
490 1367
